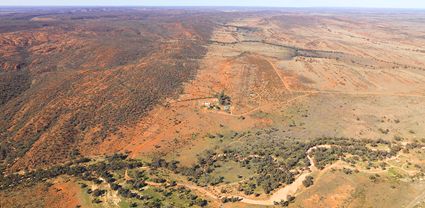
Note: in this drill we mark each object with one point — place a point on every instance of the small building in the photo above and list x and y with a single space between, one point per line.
207 104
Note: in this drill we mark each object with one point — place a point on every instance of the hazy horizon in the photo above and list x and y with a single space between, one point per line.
391 4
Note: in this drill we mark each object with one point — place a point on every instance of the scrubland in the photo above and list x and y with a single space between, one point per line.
205 108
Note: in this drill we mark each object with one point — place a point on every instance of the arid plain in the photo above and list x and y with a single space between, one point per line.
223 108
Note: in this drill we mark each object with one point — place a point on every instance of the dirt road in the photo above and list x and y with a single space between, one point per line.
281 194
284 192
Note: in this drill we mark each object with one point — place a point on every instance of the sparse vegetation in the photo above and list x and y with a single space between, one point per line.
136 189
308 181
274 160
275 105
53 102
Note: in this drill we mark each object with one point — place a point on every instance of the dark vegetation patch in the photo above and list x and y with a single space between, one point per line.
136 190
308 181
294 51
12 84
277 161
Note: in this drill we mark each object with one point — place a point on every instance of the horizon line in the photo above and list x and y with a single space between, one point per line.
212 6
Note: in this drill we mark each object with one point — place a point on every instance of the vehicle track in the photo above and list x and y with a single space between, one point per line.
290 189
280 77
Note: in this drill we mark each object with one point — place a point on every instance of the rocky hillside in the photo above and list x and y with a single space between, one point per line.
76 77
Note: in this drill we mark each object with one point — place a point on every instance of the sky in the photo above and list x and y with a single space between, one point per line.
261 3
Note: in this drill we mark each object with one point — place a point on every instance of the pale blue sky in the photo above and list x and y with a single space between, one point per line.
262 3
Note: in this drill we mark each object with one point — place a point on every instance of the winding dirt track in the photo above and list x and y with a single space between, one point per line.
279 195
291 189
284 192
